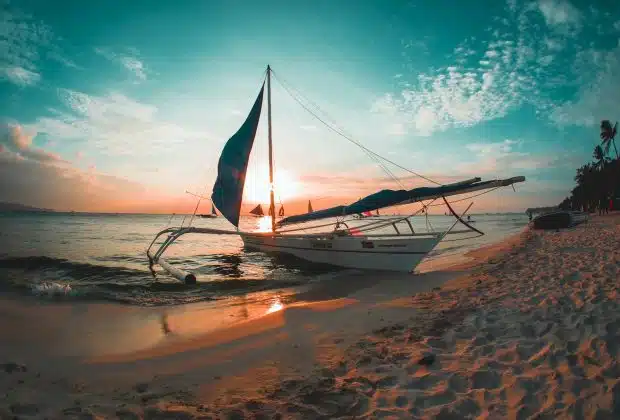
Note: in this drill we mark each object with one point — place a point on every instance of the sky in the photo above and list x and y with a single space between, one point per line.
124 106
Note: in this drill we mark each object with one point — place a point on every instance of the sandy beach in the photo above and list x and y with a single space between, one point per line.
527 329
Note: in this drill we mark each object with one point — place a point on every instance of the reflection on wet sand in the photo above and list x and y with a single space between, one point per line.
275 306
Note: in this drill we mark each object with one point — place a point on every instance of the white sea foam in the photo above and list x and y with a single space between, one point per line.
52 289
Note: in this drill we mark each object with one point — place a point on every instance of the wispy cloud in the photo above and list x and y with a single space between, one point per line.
510 157
17 144
480 85
21 77
23 40
560 14
112 123
38 177
129 60
531 54
492 149
595 99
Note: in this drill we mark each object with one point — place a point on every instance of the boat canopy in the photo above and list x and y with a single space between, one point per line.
388 198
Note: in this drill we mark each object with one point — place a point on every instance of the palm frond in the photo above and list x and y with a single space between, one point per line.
607 131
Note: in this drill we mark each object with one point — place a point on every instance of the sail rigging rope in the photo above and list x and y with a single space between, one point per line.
372 155
289 90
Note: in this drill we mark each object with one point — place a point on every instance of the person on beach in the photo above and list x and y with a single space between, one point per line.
602 205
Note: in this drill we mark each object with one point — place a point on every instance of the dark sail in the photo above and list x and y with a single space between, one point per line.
257 211
233 164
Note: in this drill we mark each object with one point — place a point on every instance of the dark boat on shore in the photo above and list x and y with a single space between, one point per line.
559 219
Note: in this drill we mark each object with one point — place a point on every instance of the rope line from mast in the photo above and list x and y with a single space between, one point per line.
373 156
289 90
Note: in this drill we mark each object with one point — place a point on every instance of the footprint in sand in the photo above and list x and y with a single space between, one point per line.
485 379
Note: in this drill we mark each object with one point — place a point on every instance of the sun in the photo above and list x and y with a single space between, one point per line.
286 186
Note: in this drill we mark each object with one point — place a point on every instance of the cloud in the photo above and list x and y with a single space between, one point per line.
129 61
493 149
31 182
478 85
530 57
455 97
505 157
22 40
34 176
595 99
560 13
17 145
20 76
553 44
112 123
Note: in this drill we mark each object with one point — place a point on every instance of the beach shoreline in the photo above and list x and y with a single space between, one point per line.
389 346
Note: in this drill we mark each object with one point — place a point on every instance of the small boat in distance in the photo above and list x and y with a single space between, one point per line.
257 211
212 215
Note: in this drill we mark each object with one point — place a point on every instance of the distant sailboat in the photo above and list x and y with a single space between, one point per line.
257 211
310 207
361 247
281 211
213 214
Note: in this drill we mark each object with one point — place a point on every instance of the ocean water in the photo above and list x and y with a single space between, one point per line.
82 256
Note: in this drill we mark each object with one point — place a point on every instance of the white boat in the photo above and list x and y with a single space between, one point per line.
367 246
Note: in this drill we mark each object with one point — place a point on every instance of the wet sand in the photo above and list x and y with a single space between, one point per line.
528 327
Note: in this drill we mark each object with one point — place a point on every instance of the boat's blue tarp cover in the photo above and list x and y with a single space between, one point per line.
233 164
381 199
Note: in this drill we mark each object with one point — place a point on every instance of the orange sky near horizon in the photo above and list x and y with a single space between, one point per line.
494 202
63 187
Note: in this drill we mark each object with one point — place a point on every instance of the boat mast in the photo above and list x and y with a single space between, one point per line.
272 206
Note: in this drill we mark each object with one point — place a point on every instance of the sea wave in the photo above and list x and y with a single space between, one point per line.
74 267
58 278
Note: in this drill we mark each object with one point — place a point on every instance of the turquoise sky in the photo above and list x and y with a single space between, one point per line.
125 105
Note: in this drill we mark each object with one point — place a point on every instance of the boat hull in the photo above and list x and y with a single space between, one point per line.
559 220
361 252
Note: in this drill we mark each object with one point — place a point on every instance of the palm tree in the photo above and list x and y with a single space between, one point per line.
608 134
600 160
600 179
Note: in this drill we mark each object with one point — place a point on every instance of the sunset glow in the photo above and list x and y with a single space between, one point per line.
123 118
264 224
286 186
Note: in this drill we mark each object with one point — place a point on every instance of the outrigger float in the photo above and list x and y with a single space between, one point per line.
362 247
